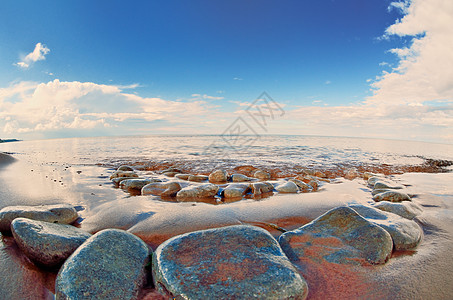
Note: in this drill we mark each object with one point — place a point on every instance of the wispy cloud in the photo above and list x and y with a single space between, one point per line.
207 97
237 78
39 53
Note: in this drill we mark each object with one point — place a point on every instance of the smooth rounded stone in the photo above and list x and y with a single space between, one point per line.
260 174
406 234
198 191
339 236
163 189
236 190
182 176
368 175
197 178
170 173
47 244
125 168
392 196
240 178
287 187
123 174
303 187
117 180
408 210
137 184
259 188
378 191
109 265
172 169
387 185
218 176
234 262
372 180
58 213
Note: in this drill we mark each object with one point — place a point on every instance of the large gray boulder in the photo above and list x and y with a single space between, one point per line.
339 236
47 244
287 187
58 213
234 262
109 265
406 234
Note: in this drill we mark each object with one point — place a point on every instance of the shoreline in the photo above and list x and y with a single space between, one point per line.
82 189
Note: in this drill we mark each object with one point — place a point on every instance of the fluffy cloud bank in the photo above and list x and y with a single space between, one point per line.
39 53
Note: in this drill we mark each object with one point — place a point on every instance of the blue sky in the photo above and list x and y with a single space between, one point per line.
111 67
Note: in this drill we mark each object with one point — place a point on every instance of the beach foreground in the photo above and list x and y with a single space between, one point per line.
420 273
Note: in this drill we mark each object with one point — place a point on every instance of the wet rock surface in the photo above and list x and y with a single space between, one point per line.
236 190
197 178
287 187
109 265
240 178
47 244
259 188
234 262
58 213
303 187
123 174
392 196
339 236
218 176
137 184
199 191
262 175
163 189
408 210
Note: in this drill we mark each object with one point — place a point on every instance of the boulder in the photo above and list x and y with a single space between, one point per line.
58 213
197 178
198 191
406 234
125 168
287 187
123 174
182 176
259 188
170 173
392 196
234 262
109 265
378 191
218 176
408 210
372 180
236 190
339 236
368 175
47 244
303 187
163 189
137 183
240 178
117 180
387 185
260 174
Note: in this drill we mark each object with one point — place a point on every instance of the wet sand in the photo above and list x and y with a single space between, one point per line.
426 273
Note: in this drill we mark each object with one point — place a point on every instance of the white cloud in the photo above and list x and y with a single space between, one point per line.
39 53
204 96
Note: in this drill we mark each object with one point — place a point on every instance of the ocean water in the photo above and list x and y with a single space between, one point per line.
207 151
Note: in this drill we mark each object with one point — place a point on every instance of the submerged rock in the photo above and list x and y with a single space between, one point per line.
234 262
287 187
170 173
198 191
123 174
339 236
58 213
197 178
392 196
47 244
236 190
109 265
137 184
408 210
303 187
406 234
125 168
240 178
218 176
259 188
163 189
260 174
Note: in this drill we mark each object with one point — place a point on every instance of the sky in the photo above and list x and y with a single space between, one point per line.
379 69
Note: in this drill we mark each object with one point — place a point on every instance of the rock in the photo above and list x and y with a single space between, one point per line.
287 187
197 178
319 174
58 213
118 180
234 262
47 244
406 234
240 178
339 236
372 180
125 168
260 174
170 173
218 176
408 210
351 174
137 184
259 188
386 185
378 191
109 265
172 169
368 175
163 189
247 170
392 196
123 174
182 176
235 190
314 185
303 187
199 191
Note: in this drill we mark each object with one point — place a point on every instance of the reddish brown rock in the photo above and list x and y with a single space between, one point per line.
163 189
